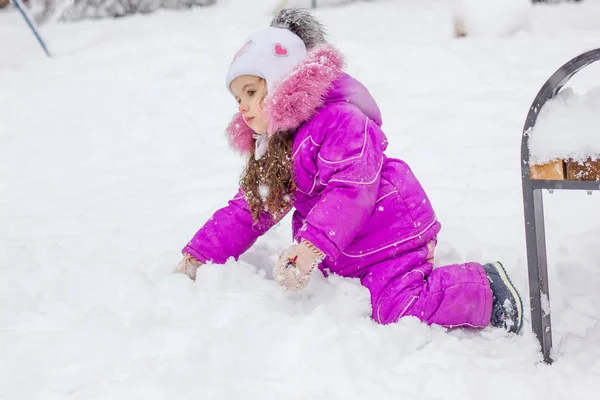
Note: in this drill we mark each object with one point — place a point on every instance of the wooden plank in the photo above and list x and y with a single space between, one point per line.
588 170
552 171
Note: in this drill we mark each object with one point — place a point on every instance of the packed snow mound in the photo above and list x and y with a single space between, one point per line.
568 127
491 18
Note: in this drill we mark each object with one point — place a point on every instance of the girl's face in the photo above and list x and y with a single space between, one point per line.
249 92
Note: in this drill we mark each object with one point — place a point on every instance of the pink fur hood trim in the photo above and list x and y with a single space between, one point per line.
295 99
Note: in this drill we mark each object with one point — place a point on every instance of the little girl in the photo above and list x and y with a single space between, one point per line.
312 137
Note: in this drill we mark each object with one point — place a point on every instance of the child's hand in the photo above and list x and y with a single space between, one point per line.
296 266
188 265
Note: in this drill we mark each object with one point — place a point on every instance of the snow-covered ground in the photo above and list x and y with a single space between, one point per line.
112 154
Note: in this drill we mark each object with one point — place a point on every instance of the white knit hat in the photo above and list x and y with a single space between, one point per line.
271 54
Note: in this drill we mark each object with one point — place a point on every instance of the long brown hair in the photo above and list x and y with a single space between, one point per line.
268 183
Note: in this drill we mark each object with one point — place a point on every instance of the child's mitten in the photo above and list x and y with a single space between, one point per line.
188 265
296 266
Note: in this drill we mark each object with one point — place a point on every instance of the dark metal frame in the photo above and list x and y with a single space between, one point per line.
533 204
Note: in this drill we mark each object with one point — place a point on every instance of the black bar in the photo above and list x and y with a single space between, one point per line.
565 185
537 262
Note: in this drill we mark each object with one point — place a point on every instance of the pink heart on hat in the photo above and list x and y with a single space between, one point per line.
280 50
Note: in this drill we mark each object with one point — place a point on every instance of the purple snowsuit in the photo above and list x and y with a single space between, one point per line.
365 211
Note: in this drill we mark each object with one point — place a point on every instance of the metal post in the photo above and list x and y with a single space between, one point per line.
19 5
537 262
314 3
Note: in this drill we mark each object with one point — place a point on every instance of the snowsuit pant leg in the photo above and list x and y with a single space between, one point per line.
407 285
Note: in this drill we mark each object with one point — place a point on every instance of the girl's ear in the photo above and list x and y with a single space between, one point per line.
263 95
261 105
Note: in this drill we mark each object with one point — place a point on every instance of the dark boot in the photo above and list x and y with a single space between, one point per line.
507 307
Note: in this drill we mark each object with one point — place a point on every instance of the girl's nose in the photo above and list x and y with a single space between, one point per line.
243 108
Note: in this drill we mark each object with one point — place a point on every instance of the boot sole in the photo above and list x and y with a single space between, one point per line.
513 290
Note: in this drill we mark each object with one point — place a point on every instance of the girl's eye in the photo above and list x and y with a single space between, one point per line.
251 92
239 101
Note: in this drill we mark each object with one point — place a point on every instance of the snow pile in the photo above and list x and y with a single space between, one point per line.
568 127
491 18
